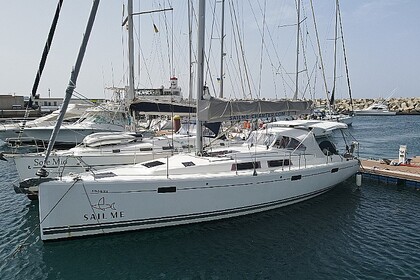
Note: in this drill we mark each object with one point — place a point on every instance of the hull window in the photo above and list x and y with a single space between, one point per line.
296 177
167 190
152 163
280 162
104 175
246 166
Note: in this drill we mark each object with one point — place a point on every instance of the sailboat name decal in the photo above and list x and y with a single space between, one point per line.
107 211
256 116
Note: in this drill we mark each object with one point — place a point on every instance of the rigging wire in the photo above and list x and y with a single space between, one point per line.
345 56
123 49
319 50
262 49
207 75
168 44
234 38
303 42
241 51
278 69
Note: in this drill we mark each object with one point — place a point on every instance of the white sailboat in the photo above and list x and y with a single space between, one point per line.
279 165
330 113
112 147
99 151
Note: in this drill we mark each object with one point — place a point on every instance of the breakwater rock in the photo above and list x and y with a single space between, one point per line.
402 105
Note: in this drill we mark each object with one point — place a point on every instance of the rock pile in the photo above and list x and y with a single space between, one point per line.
408 105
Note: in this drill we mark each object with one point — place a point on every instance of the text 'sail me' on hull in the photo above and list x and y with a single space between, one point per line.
104 207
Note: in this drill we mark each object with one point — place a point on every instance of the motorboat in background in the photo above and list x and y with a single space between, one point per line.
10 132
376 109
107 117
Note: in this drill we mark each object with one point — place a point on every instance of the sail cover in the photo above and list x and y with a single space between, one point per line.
162 108
216 109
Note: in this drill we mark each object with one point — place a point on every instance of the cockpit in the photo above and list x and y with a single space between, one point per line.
274 140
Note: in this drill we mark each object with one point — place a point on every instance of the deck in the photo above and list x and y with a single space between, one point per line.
394 174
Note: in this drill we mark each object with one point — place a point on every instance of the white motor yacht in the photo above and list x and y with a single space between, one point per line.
106 117
10 131
376 109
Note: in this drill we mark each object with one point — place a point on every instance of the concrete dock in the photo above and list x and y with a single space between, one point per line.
384 171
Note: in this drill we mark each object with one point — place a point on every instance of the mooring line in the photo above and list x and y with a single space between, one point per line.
22 245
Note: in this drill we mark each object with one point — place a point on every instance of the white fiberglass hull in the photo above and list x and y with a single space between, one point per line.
69 135
9 131
82 159
58 166
118 204
374 113
340 118
12 130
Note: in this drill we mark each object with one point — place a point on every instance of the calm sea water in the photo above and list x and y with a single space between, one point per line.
371 233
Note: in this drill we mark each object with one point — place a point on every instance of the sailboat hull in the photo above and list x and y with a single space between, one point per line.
106 207
68 135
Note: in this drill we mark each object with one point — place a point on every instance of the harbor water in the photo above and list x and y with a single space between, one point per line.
348 233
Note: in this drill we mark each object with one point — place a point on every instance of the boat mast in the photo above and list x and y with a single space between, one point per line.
200 72
191 75
221 48
46 51
190 52
345 56
129 20
297 51
320 57
130 96
335 59
42 172
41 65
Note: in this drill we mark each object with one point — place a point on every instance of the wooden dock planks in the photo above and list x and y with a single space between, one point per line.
380 168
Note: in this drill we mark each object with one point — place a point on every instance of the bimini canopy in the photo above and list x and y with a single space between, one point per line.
319 128
216 109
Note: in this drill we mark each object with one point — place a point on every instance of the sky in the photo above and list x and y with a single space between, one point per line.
381 40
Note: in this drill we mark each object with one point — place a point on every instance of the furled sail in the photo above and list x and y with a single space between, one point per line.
216 109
